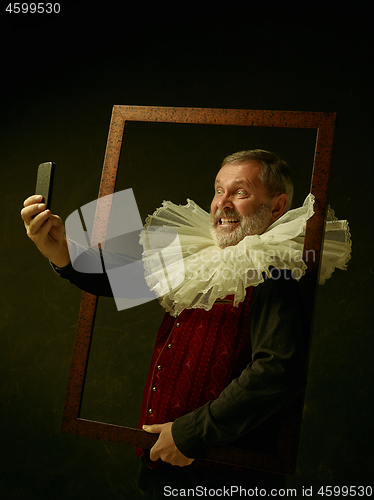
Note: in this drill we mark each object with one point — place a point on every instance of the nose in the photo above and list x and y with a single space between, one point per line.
225 202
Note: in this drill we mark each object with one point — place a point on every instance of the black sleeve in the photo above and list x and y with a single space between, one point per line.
270 382
92 266
96 283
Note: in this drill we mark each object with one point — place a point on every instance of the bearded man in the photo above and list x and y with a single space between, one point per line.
253 189
229 352
249 196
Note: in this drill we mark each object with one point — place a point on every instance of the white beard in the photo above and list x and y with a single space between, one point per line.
255 223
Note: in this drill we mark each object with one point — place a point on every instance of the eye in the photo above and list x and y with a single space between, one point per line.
241 191
219 191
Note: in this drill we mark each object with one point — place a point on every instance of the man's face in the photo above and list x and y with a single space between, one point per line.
240 206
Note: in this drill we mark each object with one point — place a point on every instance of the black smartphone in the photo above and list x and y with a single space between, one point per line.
44 181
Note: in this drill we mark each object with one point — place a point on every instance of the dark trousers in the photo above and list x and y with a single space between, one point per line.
173 482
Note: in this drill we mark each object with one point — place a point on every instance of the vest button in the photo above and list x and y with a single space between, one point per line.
159 367
154 389
150 411
169 346
178 325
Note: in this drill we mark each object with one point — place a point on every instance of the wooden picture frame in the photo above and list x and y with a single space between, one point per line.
283 459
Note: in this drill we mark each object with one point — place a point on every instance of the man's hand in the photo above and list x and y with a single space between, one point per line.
164 447
45 230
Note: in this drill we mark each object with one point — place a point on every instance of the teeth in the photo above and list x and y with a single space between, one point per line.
228 221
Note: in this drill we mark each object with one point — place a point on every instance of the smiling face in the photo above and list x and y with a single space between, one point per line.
240 206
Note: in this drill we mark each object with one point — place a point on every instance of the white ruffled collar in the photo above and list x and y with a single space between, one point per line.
187 270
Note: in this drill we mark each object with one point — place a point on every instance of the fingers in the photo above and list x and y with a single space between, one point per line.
32 207
38 231
153 429
165 448
154 454
34 215
35 198
45 230
30 213
34 218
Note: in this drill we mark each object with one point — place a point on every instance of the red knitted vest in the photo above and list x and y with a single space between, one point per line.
196 356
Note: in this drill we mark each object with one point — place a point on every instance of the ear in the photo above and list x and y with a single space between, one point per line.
278 206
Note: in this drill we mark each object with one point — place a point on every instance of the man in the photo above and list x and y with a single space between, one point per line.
256 346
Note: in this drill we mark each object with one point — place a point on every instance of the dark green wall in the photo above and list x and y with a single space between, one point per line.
61 78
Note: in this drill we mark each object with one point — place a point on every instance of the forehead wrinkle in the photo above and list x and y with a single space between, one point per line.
236 182
247 172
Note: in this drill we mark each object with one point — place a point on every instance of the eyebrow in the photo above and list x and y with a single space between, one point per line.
237 183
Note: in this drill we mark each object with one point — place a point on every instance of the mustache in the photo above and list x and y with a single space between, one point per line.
226 213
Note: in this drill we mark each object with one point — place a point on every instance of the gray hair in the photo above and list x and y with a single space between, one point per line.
275 174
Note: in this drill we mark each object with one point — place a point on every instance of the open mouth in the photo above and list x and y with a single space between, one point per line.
228 222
